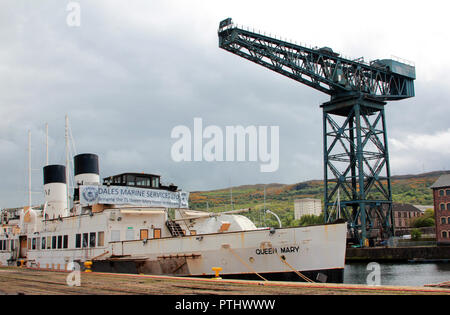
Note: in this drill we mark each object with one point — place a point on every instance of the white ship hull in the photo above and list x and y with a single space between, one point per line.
317 252
275 254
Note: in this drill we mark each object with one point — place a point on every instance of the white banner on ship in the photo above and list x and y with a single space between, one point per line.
121 195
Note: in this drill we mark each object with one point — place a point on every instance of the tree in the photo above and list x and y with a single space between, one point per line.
416 234
426 220
310 219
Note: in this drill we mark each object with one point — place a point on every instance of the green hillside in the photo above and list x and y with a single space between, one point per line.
413 189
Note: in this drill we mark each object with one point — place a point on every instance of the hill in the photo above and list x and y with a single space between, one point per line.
413 189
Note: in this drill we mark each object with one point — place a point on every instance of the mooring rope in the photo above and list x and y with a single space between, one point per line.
243 262
283 259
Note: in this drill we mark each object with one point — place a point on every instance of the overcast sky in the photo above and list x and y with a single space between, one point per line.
134 70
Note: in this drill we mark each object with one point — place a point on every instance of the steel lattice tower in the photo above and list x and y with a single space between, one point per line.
356 159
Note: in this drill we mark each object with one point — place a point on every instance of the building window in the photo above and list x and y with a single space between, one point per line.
92 239
43 242
49 242
66 241
443 220
441 192
447 192
448 206
442 206
444 234
101 239
78 241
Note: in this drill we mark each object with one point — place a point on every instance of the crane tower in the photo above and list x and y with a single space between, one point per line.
355 144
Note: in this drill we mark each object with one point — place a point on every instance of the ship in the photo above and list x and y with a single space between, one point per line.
132 223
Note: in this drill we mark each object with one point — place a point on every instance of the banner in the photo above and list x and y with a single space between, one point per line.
124 195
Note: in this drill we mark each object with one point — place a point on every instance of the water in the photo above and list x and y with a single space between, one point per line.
400 274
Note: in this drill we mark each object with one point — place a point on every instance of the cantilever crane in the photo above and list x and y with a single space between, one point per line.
356 160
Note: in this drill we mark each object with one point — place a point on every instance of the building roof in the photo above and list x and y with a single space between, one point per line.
403 207
443 181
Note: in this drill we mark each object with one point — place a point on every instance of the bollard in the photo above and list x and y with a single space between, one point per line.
217 270
88 265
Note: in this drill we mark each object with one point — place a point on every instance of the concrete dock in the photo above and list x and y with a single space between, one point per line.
24 281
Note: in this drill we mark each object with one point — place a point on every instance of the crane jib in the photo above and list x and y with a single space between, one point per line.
320 68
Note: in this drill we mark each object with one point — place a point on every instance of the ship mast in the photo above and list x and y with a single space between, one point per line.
67 162
46 144
29 168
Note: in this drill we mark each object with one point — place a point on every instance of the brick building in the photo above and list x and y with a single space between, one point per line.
404 215
441 197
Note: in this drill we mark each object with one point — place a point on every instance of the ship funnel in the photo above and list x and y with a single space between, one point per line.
86 169
55 188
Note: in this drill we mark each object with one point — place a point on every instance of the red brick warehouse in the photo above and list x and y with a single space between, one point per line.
441 197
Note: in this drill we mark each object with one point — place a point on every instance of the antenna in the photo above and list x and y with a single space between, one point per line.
231 195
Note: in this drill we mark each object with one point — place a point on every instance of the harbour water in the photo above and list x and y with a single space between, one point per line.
399 274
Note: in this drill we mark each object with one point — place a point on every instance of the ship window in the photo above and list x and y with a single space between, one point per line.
155 182
92 239
53 242
59 241
85 239
144 234
43 242
143 181
130 180
66 241
78 241
115 236
101 239
129 235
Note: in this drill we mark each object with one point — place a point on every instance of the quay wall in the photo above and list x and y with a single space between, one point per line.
398 253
